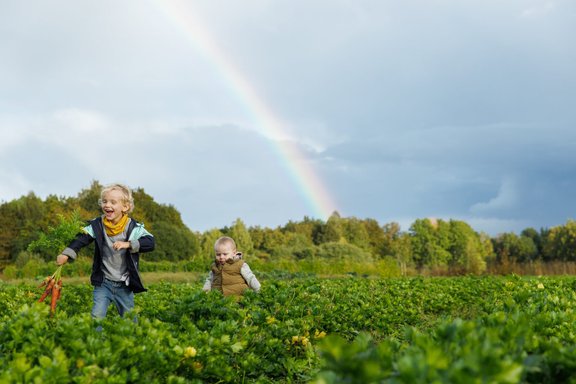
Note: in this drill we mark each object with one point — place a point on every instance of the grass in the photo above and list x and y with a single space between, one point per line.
147 277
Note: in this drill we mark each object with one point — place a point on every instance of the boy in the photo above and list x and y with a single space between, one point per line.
229 273
119 241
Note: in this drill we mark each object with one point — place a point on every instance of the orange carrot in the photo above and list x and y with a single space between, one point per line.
45 281
59 284
56 290
48 290
53 286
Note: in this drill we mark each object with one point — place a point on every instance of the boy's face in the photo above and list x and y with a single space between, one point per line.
224 252
113 205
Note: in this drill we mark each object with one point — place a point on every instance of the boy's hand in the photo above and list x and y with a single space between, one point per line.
121 245
61 259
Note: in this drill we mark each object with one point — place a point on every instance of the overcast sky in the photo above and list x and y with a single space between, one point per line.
273 110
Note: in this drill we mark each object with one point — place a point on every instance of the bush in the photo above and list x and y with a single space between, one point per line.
24 257
34 268
343 251
297 252
10 272
82 266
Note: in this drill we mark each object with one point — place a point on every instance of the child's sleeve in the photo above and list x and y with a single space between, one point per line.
248 275
141 240
208 283
81 240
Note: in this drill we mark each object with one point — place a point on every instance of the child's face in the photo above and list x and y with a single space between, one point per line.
113 205
224 252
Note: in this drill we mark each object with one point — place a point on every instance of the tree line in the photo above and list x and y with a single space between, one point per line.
428 246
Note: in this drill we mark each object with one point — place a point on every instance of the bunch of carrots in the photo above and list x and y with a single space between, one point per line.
53 286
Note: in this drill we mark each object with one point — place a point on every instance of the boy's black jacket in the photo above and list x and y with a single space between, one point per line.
147 244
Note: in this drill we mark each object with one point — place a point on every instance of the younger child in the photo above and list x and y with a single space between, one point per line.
229 273
119 241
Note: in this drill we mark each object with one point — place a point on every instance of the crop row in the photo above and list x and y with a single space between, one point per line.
457 330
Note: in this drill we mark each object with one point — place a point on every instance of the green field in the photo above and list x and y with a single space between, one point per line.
300 329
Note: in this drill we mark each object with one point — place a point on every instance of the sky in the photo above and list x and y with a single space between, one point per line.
271 111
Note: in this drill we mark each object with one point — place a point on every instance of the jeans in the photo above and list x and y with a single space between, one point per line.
112 292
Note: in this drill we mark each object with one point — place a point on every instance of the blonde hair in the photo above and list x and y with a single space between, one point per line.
224 240
126 194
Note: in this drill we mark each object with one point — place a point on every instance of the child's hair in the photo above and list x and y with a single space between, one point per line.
126 192
224 240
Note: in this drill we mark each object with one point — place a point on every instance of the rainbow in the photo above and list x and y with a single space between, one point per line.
295 162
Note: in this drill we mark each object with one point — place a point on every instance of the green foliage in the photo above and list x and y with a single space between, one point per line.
301 330
333 231
81 267
378 237
312 229
448 246
287 252
87 199
46 227
10 272
343 251
355 233
429 243
360 361
184 245
34 268
512 248
466 248
54 241
25 257
296 246
266 240
19 221
537 237
241 236
429 246
560 244
508 344
401 250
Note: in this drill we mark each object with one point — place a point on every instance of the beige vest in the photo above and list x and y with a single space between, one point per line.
227 278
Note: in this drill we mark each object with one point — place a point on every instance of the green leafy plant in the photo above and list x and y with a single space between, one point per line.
301 329
55 239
